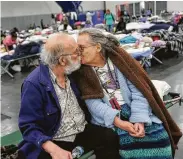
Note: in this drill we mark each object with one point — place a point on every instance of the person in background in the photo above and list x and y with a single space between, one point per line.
53 22
65 21
121 26
2 36
15 30
89 17
2 47
53 19
143 19
53 119
10 43
42 24
10 40
109 20
126 17
88 24
133 108
149 12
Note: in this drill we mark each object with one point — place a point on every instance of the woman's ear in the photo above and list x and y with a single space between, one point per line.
62 61
99 47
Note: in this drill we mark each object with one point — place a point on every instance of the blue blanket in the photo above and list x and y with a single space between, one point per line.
128 40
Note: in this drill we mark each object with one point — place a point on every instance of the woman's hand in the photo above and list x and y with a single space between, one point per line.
139 128
127 126
135 130
124 125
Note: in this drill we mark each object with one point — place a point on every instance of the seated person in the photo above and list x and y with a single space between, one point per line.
65 21
11 40
143 18
140 118
15 30
121 25
2 36
88 24
53 119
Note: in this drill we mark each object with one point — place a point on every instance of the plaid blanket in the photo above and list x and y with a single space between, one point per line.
175 40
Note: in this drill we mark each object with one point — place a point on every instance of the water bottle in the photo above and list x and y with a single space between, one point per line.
77 152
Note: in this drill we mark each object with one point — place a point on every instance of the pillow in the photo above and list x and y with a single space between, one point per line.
162 87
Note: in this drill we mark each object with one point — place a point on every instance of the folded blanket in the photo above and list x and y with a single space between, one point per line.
128 40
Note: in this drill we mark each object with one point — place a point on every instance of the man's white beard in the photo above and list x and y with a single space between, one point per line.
73 66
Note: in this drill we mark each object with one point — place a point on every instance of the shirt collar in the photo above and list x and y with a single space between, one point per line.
54 78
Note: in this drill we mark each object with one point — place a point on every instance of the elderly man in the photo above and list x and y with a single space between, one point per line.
52 115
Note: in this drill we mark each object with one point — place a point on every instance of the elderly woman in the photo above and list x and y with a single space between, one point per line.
145 128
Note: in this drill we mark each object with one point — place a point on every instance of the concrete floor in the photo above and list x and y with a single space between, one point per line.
171 71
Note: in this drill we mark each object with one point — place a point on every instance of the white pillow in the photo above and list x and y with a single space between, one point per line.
162 87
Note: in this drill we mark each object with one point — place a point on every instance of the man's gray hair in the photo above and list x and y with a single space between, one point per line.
54 48
51 58
107 42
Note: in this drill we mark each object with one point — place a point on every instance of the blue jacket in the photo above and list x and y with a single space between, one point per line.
40 112
103 114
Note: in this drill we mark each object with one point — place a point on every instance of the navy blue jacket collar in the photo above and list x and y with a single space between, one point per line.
44 77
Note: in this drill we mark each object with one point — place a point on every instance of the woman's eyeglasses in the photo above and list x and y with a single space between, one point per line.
78 51
84 47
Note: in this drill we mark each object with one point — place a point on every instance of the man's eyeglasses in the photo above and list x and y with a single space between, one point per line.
77 53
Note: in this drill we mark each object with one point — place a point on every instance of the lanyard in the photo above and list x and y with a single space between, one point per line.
112 77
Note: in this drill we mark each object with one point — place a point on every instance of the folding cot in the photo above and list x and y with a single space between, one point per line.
6 63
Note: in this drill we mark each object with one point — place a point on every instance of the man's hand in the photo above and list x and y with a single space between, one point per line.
139 128
60 153
55 151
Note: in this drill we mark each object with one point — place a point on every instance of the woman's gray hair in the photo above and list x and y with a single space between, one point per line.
107 42
51 58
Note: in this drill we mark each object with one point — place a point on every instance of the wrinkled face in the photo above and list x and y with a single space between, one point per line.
72 58
88 49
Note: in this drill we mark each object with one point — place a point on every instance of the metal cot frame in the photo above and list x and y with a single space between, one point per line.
8 62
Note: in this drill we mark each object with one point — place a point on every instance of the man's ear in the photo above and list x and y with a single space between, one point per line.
62 61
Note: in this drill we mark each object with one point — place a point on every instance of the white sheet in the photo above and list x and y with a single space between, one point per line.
137 26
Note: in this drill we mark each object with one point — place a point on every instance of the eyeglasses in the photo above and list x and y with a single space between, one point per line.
83 47
77 53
